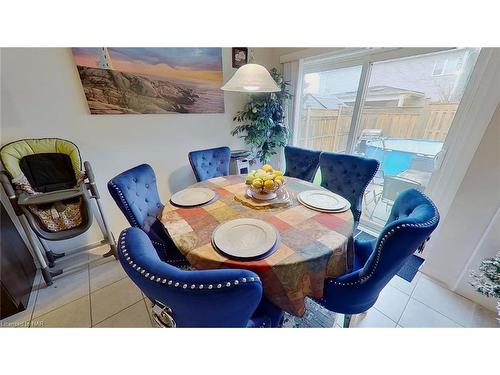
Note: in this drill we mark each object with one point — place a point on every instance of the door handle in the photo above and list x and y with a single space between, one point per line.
439 158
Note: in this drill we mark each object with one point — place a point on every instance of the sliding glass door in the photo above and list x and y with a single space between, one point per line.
397 110
325 121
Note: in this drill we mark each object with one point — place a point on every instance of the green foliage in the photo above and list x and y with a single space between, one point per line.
487 280
261 121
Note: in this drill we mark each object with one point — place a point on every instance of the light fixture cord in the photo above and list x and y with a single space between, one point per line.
251 56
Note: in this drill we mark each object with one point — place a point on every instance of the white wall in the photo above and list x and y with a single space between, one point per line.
290 54
488 246
41 96
470 231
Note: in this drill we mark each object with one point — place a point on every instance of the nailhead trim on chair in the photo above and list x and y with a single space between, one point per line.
387 235
163 246
147 275
127 207
159 244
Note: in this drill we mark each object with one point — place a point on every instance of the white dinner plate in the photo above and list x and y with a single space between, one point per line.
192 197
346 208
245 238
324 201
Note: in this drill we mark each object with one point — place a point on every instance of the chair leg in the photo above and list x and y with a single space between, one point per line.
108 235
112 247
57 255
347 320
47 276
52 257
101 220
111 252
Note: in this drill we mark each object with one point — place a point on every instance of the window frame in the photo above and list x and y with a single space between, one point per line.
438 188
349 57
446 62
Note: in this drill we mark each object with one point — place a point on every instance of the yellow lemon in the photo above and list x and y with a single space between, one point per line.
267 168
278 173
269 184
260 176
249 179
257 183
279 179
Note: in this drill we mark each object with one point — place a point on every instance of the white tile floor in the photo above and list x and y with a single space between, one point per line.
423 303
101 295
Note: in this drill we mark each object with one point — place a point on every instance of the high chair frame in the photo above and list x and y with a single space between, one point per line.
39 238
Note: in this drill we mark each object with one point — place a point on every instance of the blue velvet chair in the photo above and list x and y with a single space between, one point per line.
136 194
210 163
412 220
301 163
348 176
213 298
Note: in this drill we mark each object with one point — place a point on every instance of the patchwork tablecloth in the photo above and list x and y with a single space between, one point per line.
313 246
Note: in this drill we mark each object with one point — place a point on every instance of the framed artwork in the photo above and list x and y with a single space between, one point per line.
151 80
240 56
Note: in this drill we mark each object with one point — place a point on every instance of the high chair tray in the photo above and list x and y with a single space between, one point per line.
54 196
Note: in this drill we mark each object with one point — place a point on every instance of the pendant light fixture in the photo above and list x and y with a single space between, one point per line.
251 78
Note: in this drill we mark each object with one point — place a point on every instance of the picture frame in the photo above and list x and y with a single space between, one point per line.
155 80
239 56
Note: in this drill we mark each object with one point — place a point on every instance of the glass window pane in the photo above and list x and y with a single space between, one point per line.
408 110
406 115
326 108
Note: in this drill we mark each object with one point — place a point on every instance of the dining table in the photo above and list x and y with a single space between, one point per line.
313 245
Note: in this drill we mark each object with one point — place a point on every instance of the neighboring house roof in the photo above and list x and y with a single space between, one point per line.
380 91
321 102
375 93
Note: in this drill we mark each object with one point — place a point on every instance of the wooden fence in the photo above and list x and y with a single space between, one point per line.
328 129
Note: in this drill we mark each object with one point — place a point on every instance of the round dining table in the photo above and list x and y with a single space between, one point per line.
314 245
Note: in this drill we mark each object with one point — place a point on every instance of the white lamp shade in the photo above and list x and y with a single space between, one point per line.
251 78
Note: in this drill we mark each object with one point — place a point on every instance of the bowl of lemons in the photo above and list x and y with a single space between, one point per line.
265 182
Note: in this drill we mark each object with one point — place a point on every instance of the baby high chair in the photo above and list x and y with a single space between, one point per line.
51 194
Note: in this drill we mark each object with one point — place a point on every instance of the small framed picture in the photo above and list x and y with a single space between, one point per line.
240 56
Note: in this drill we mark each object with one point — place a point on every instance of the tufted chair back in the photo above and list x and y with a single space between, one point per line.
136 194
412 220
210 163
301 163
213 298
348 176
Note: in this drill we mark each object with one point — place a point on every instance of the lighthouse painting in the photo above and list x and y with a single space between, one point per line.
151 80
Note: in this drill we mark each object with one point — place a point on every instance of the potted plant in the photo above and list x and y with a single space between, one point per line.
261 121
487 280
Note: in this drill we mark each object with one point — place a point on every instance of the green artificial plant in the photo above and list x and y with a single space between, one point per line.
261 121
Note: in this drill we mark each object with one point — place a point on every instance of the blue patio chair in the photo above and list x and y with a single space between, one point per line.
348 176
136 194
213 298
210 163
412 220
301 163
